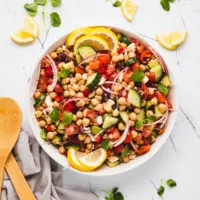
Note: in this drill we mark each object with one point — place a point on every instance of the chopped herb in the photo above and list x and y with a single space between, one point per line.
105 144
124 39
55 19
43 134
55 3
138 75
125 150
67 118
165 5
117 3
131 61
114 194
138 124
163 89
161 190
64 73
150 119
54 115
171 183
171 1
31 8
41 2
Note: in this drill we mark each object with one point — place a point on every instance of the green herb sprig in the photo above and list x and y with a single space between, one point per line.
166 4
114 194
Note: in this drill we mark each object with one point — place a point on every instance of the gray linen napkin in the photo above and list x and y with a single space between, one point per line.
41 172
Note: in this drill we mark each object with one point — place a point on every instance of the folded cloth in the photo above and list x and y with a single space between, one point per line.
41 172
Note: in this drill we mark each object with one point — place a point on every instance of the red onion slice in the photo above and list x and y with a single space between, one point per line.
108 90
133 146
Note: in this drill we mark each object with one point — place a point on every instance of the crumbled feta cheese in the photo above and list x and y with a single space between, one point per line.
145 80
110 102
84 76
102 80
48 102
99 120
87 129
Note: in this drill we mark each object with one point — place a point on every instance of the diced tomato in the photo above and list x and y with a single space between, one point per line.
120 49
42 85
128 138
59 99
112 76
110 69
58 88
145 90
147 131
127 75
49 81
139 47
108 153
48 128
160 97
116 134
92 115
119 148
151 76
135 66
86 92
71 107
146 141
169 103
133 40
111 130
161 131
144 149
94 65
102 69
98 139
48 71
104 60
71 129
79 70
145 56
45 63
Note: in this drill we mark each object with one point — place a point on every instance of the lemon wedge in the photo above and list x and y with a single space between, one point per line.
171 40
74 35
73 157
21 37
108 35
128 8
94 159
93 41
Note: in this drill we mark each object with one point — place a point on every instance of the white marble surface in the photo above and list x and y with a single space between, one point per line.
180 157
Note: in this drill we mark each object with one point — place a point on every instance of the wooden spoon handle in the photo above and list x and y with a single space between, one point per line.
2 167
21 186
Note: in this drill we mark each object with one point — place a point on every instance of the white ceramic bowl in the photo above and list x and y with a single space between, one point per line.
104 170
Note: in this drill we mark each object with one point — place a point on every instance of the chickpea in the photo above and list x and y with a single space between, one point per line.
132 123
105 136
126 57
38 114
87 151
131 55
116 88
154 101
82 87
37 94
75 118
115 113
49 88
126 159
124 93
79 122
81 137
120 57
53 55
121 126
65 80
108 108
89 146
94 102
71 55
149 113
76 87
40 108
99 92
99 98
72 93
66 93
137 110
70 87
55 104
131 84
122 107
79 114
79 94
143 67
122 101
124 84
60 65
86 122
87 140
61 149
143 103
78 77
133 116
151 91
51 135
65 87
99 107
134 134
132 157
162 107
123 45
115 58
85 112
42 123
53 95
80 103
42 72
53 127
48 120
64 47
59 50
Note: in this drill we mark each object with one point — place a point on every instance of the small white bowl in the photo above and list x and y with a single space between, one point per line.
104 170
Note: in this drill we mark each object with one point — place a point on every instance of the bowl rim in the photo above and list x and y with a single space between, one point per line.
128 167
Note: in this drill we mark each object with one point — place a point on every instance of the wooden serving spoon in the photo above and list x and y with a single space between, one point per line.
10 123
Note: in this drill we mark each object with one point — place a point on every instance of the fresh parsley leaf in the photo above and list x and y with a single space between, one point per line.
67 117
138 124
41 2
55 3
43 134
150 119
114 190
165 5
54 115
161 190
31 8
64 73
171 183
55 19
131 61
163 89
117 3
125 150
171 1
124 39
105 144
114 194
138 75
118 196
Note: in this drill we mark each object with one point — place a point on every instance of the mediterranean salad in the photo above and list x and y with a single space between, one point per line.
102 97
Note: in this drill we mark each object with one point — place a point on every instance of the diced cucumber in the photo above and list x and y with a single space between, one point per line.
61 128
93 81
112 164
141 115
156 68
109 121
157 112
91 106
91 95
105 115
86 51
153 63
124 116
105 144
134 98
40 100
148 105
56 140
74 146
69 66
43 134
61 131
95 129
166 81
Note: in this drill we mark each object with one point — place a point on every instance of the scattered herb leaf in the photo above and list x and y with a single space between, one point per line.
41 2
105 144
54 115
114 194
117 3
125 150
163 89
161 190
138 124
43 134
165 5
124 39
55 3
171 183
67 118
138 75
55 19
31 8
131 61
150 119
171 1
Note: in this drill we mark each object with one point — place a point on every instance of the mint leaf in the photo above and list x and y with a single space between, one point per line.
151 119
43 134
138 75
118 196
55 3
54 115
67 117
138 124
41 2
117 3
55 19
171 1
171 183
163 89
165 5
161 191
105 144
31 8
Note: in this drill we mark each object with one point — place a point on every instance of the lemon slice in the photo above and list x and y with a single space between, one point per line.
94 159
128 8
108 35
93 41
31 26
171 40
73 157
21 37
74 35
